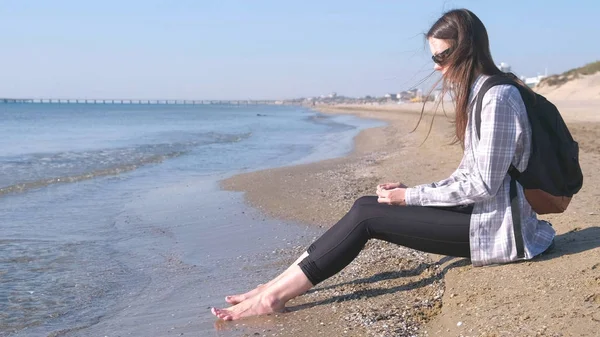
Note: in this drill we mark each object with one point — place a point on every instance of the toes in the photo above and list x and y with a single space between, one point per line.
233 299
222 314
225 316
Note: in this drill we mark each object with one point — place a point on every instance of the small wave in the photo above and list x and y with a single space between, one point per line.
45 169
329 121
23 187
317 118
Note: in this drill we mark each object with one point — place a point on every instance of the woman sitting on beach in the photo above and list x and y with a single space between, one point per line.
466 215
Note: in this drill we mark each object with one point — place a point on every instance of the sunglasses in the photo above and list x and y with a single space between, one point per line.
440 57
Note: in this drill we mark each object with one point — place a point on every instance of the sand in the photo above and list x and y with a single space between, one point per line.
585 87
393 291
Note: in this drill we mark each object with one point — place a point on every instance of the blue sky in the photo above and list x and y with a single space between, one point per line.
222 49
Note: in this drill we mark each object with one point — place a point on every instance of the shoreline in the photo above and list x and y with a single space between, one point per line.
402 292
326 190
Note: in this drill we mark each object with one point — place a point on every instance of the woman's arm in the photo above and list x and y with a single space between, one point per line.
500 132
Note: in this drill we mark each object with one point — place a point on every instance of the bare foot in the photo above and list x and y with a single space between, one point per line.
235 299
254 306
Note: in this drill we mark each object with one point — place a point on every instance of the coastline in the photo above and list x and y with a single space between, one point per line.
391 290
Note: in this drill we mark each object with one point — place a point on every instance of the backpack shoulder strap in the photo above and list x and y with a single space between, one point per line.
487 85
513 172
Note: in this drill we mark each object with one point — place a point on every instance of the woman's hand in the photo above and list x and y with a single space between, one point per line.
390 186
394 196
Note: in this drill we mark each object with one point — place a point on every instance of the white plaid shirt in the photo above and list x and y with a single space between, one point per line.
482 179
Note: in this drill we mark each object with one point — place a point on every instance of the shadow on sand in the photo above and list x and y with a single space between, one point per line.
573 242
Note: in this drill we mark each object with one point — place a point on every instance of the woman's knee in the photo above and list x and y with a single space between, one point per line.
359 212
362 207
364 200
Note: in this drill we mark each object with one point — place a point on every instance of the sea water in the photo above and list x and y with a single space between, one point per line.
111 217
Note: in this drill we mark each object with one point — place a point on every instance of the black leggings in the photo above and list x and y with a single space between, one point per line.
439 230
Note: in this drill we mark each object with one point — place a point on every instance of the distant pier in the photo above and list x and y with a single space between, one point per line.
133 101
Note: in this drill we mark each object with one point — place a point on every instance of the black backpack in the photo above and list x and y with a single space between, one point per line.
553 174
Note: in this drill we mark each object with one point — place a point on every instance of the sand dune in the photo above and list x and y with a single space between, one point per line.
585 87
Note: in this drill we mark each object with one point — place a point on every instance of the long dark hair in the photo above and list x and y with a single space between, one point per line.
469 55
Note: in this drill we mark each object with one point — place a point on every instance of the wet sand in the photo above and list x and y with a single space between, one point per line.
394 291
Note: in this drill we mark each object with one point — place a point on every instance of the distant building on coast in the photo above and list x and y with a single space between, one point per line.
532 81
529 81
408 95
504 67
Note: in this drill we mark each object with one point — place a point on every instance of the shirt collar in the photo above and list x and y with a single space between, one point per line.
477 84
